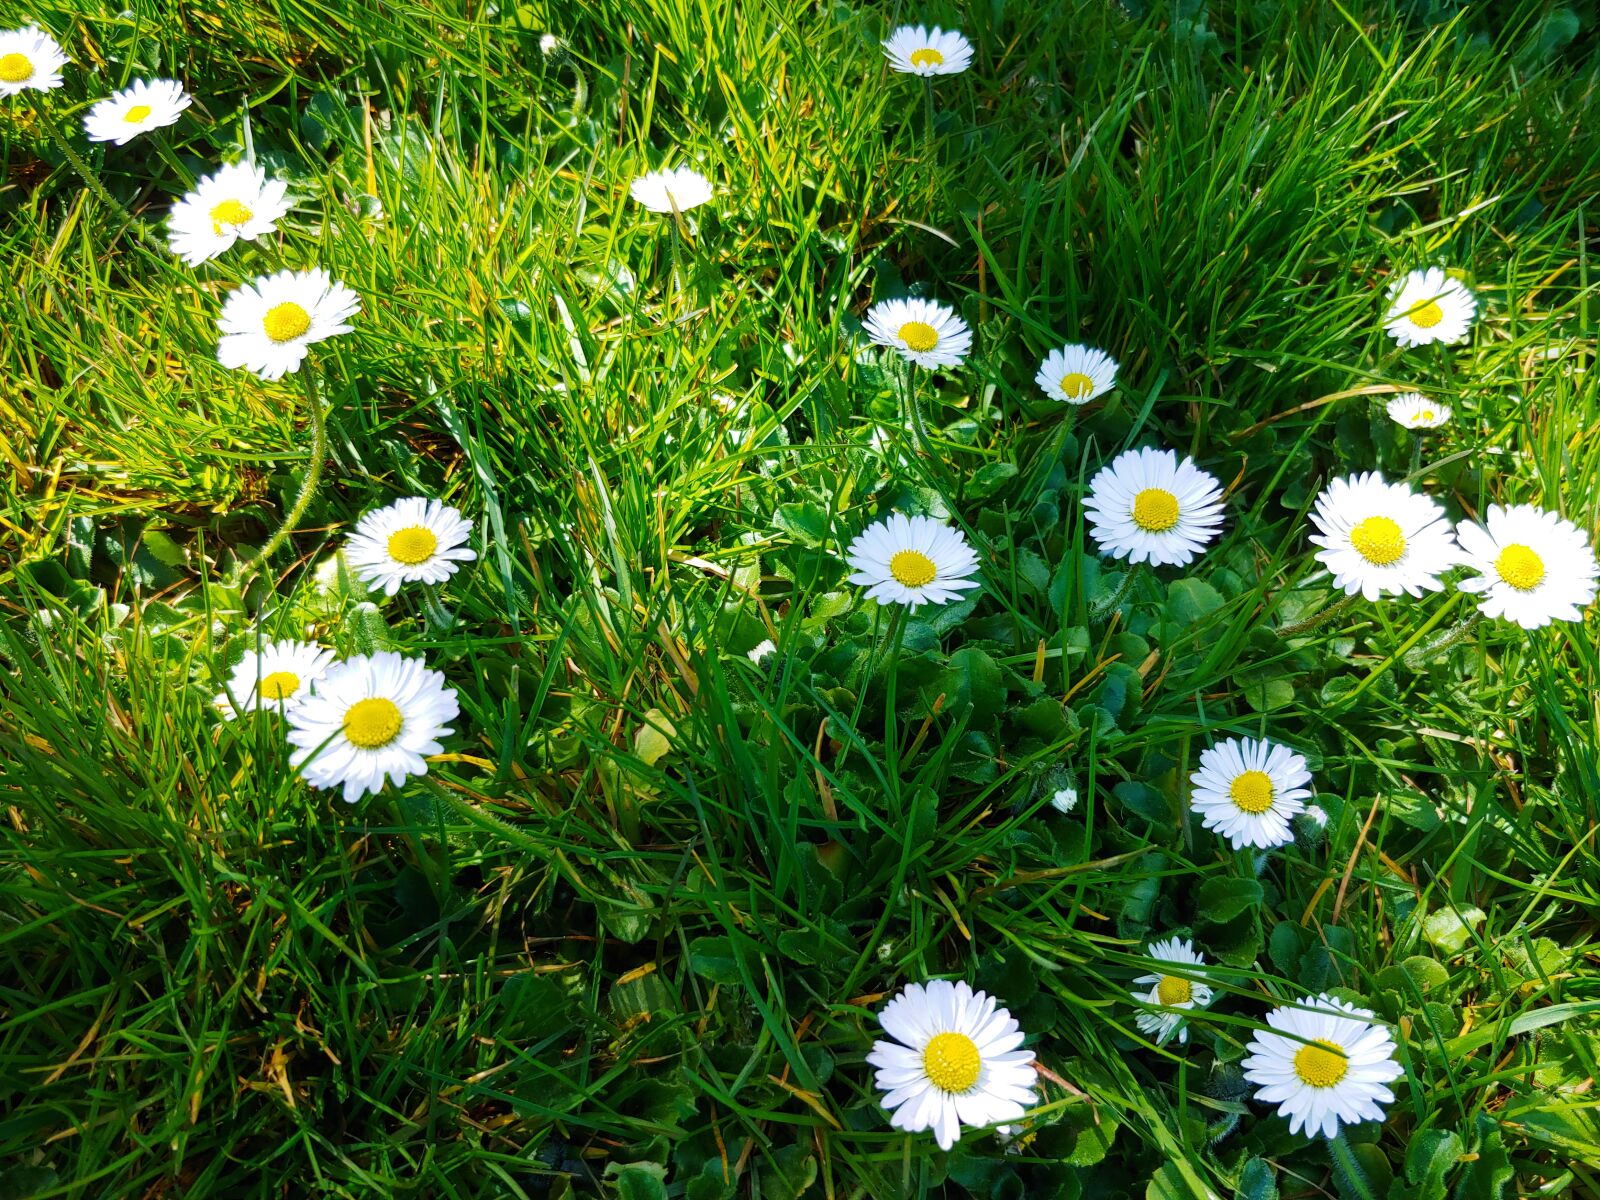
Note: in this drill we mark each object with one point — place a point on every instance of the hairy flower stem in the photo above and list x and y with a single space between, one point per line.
308 487
85 171
1436 646
1315 619
1101 610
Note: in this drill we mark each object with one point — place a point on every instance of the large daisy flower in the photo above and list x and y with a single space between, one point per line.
1247 791
238 201
275 678
923 331
144 105
267 325
1147 506
912 561
412 540
1324 1063
1379 537
955 1060
1429 306
1161 988
918 50
29 58
1533 566
1076 374
1415 411
662 191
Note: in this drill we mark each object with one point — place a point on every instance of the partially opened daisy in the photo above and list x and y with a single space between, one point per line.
1533 567
955 1059
1324 1063
238 201
415 540
1415 411
267 325
30 59
1076 374
918 50
1183 990
679 187
1146 506
1247 791
1381 538
923 331
144 105
274 678
1429 306
370 718
912 561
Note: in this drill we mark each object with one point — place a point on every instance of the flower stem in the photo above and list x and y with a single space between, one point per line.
1101 610
1315 619
1436 646
308 487
84 170
927 107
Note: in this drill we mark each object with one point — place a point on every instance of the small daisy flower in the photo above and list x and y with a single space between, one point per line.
1429 306
1146 505
370 718
923 331
267 325
412 540
29 59
1076 374
955 1060
276 677
1533 566
661 191
1171 991
144 105
1246 791
912 561
918 50
1064 800
1323 1064
1380 538
1415 411
238 201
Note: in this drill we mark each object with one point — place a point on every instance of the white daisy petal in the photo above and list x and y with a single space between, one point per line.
1331 1069
917 50
921 331
267 325
912 561
1146 506
1532 566
1076 374
144 105
275 678
1246 792
1413 410
679 187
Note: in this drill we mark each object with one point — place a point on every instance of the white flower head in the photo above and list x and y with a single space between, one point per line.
1064 800
144 105
955 1059
1247 791
237 201
415 540
679 187
1381 538
268 324
1076 374
274 678
1172 991
912 561
29 59
1429 306
921 331
1415 411
370 718
1324 1063
1533 567
918 50
1145 505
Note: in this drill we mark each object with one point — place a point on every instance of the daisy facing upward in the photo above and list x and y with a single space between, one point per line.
30 60
275 678
1246 791
921 331
918 50
1381 538
267 325
1533 567
1429 306
1146 506
1076 374
415 540
1324 1063
912 561
237 201
144 105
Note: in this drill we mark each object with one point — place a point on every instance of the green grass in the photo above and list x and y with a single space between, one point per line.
568 965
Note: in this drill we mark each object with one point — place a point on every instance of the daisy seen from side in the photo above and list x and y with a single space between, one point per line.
1076 374
1247 791
1165 990
267 325
918 50
1413 410
30 60
912 561
1323 1063
143 105
1428 306
676 187
1381 538
924 332
415 540
237 201
1533 567
274 678
1146 506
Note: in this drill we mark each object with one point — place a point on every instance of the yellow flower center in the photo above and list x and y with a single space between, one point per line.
137 113
1427 315
412 545
1077 384
1520 567
14 68
1172 990
1321 1064
1155 510
951 1061
285 322
1427 416
912 568
1378 540
279 685
372 723
919 336
1251 792
926 57
229 212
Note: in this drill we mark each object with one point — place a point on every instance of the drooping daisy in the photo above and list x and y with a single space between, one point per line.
276 677
144 105
370 718
912 561
1533 566
1415 411
1076 374
955 1060
1429 306
238 201
1147 506
1324 1064
1247 791
412 540
1181 991
918 50
923 331
1064 800
267 325
29 58
1379 537
661 191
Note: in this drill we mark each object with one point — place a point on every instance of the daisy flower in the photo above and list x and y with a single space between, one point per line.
1324 1064
413 540
1146 505
924 332
1171 991
1429 306
661 191
1076 374
238 201
1533 566
918 50
1247 791
1379 537
275 677
29 58
954 1061
1415 411
267 325
369 718
912 561
145 105
1064 800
